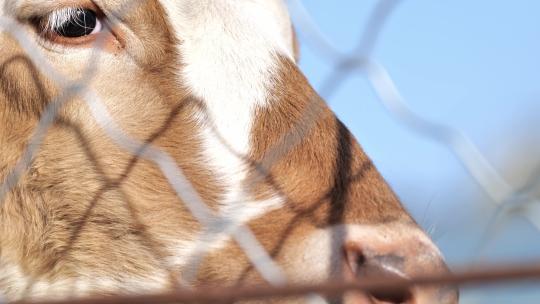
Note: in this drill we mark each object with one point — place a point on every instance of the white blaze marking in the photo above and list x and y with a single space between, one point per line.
228 51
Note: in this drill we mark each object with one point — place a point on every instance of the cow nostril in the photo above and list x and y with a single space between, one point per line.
365 266
355 260
394 297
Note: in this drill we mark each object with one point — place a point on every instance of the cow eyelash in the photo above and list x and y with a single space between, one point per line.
70 23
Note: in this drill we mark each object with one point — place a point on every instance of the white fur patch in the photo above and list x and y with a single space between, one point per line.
228 50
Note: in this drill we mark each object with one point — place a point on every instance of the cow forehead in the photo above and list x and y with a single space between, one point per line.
269 18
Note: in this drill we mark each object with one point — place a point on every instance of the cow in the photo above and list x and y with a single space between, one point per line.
211 88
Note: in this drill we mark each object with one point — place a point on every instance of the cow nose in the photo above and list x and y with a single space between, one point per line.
403 259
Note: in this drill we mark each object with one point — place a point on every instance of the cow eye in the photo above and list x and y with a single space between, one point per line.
76 27
71 23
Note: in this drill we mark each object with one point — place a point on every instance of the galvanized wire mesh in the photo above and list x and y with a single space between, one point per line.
508 200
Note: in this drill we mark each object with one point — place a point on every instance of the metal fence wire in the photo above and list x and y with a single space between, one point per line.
507 199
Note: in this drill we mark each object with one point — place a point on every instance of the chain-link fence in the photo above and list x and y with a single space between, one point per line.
507 199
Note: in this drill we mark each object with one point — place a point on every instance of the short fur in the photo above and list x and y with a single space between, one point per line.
214 84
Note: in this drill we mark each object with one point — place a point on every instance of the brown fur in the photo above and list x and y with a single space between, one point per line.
85 205
304 153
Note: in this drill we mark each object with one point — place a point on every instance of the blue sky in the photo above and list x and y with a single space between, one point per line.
471 65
